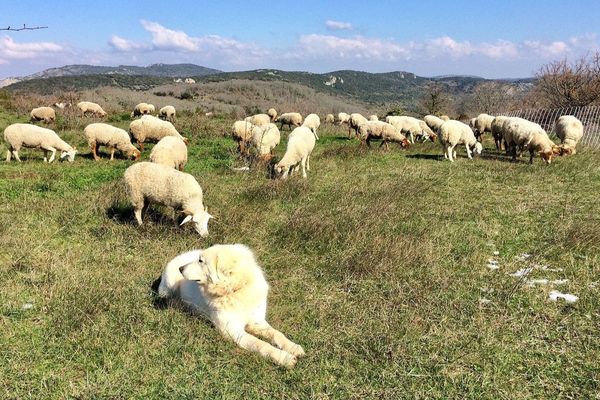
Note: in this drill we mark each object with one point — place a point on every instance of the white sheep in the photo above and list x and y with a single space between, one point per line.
381 130
258 119
167 113
444 117
312 122
518 135
472 123
147 182
290 119
569 130
17 136
433 122
142 109
427 132
272 113
373 117
356 119
496 129
87 107
225 284
114 138
343 118
329 119
301 143
170 151
152 129
265 138
453 133
46 114
408 126
241 131
483 123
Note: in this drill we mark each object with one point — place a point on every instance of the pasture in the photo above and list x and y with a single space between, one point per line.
377 265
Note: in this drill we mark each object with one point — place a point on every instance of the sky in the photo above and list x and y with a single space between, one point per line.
492 39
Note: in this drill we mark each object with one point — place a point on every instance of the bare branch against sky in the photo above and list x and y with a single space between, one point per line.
23 28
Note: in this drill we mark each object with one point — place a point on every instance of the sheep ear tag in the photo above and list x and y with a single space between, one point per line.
186 219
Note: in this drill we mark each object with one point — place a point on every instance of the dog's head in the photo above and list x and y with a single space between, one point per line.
227 268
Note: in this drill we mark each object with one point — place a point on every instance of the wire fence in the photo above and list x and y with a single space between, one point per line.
589 117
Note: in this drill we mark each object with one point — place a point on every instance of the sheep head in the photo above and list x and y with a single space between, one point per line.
547 156
200 220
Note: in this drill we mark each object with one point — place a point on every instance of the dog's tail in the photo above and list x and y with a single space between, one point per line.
172 276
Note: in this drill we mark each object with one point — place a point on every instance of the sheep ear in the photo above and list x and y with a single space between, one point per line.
186 219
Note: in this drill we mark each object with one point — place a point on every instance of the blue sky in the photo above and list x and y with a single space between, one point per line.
491 39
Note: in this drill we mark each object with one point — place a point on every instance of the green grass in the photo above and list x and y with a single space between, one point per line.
377 264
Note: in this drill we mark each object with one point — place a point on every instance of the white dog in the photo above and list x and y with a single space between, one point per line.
225 284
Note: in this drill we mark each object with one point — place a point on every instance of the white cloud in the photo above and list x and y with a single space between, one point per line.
338 25
358 47
553 49
168 39
9 49
121 44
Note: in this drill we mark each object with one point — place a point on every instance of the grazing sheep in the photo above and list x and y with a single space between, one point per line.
329 119
472 123
17 136
381 130
569 130
497 132
146 183
272 113
290 119
224 284
258 119
46 114
373 117
142 109
453 133
167 113
355 121
483 123
100 134
265 138
170 151
152 129
241 131
444 117
433 122
312 122
343 118
408 126
519 134
87 107
301 143
426 131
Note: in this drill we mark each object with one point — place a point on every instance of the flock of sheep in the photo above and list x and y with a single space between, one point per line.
196 281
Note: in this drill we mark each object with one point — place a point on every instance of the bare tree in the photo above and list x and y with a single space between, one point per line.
434 100
23 28
564 84
488 97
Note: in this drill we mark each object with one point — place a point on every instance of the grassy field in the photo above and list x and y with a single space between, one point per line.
377 266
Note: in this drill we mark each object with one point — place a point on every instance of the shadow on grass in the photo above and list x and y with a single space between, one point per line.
123 214
436 157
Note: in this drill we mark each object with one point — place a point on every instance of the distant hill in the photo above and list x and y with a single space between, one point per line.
369 88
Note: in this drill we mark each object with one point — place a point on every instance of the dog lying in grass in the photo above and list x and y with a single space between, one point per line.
225 284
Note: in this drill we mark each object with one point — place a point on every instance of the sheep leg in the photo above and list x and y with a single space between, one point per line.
112 153
253 344
412 138
45 155
7 155
303 162
15 153
285 173
263 329
530 156
308 162
141 144
468 152
53 150
450 150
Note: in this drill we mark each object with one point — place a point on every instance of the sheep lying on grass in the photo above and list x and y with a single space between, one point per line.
225 284
570 131
100 134
46 114
170 151
381 130
17 136
453 133
300 145
146 183
152 129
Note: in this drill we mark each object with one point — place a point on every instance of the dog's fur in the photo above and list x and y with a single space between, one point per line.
225 284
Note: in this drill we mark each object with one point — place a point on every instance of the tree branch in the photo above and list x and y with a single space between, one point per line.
24 28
